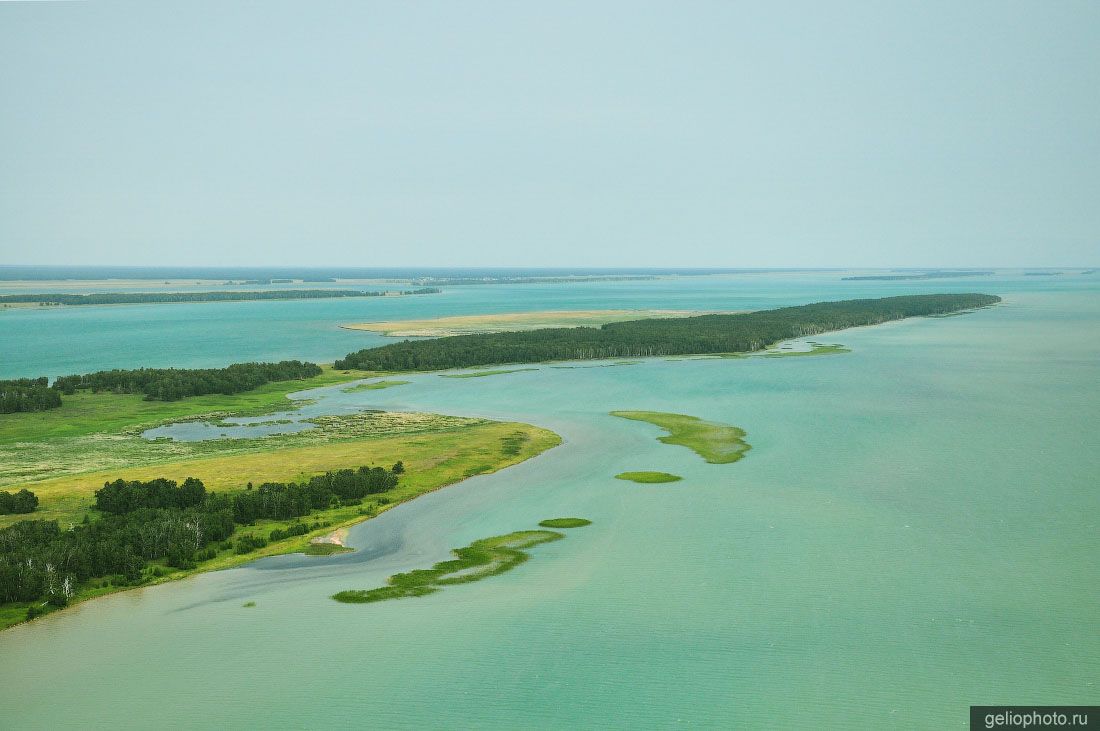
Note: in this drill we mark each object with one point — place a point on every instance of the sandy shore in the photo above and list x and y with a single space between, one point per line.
336 537
504 322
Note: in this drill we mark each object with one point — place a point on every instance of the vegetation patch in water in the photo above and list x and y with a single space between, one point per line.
646 477
564 523
815 349
479 560
374 386
714 442
480 374
325 549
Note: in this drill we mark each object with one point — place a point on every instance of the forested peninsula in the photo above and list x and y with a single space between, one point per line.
733 333
127 298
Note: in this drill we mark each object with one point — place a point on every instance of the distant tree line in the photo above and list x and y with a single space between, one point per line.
703 334
120 298
27 394
23 501
157 384
145 524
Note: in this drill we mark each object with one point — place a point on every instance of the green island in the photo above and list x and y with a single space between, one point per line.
564 522
126 298
63 456
374 386
699 335
647 477
482 374
479 560
714 442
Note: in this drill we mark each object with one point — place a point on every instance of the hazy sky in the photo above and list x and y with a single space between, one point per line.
533 133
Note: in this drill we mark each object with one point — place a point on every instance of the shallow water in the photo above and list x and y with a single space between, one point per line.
914 531
62 340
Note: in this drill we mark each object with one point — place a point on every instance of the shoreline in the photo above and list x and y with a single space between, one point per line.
331 536
51 305
335 538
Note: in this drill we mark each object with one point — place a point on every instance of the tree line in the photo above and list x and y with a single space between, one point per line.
172 384
125 298
144 524
27 394
702 334
157 384
23 501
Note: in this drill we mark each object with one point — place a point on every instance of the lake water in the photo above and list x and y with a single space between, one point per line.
914 531
63 340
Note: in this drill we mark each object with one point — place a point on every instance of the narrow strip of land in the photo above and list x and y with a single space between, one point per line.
127 298
698 335
510 322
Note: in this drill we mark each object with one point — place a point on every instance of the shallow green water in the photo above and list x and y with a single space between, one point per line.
914 531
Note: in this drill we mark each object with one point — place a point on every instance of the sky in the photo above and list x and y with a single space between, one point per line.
688 134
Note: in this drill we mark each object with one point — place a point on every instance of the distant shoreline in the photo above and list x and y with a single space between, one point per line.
61 299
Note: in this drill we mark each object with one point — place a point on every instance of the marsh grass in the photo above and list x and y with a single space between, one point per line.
435 450
479 560
48 460
85 413
815 349
481 374
716 443
648 477
564 523
325 549
374 386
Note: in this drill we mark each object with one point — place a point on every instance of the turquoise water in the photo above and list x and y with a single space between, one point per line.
914 531
57 341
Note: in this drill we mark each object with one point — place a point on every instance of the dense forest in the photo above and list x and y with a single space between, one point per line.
160 521
23 501
172 384
656 337
27 394
123 298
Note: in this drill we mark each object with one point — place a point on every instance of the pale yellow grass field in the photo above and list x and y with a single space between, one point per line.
506 322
